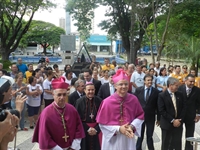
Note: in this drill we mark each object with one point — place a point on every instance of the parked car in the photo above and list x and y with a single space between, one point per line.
17 52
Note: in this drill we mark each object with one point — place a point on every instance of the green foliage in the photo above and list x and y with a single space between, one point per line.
44 33
6 64
13 26
183 34
83 12
187 14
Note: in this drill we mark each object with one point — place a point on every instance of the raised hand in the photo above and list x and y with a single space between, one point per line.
20 99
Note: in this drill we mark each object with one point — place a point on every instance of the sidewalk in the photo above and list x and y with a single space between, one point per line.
24 139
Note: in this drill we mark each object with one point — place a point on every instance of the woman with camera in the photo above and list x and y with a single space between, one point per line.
9 119
19 88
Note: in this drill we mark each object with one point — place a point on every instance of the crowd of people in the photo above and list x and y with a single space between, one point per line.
105 106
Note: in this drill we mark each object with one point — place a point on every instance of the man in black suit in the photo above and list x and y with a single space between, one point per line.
79 85
87 73
107 89
171 106
192 97
147 96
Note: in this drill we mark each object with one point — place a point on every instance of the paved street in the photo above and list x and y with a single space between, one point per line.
24 139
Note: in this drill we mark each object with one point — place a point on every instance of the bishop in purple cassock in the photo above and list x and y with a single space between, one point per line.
59 126
120 116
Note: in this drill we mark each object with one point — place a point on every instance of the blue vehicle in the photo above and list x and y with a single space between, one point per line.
35 59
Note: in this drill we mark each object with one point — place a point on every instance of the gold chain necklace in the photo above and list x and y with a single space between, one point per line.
63 122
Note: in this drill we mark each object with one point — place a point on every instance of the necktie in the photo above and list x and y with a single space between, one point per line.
174 103
188 91
81 95
147 94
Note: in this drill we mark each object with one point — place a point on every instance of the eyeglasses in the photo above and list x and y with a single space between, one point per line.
184 68
62 94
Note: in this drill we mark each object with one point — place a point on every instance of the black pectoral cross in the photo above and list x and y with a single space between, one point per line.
91 116
65 137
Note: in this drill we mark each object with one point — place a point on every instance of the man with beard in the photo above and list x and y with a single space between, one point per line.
87 107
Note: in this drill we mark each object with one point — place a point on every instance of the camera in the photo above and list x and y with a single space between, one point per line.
3 113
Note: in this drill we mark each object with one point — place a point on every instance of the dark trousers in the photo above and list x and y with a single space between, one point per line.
149 134
172 139
47 102
189 128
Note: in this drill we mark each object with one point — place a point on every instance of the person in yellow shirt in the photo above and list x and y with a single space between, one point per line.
197 79
184 71
177 74
107 65
28 73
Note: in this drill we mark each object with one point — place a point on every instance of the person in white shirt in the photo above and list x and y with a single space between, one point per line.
48 97
137 78
68 76
105 78
67 67
157 67
33 92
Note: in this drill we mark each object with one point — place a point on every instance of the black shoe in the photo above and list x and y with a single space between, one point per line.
31 127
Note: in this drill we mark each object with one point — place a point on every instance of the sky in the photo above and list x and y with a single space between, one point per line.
54 15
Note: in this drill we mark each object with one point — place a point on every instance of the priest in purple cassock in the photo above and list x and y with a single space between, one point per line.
120 116
59 126
87 107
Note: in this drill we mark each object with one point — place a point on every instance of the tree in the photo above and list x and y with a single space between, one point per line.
127 18
44 33
12 24
183 32
83 12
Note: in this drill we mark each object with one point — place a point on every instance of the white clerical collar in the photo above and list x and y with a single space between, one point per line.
58 106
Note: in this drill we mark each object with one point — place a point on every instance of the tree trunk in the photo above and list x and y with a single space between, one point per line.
155 25
111 48
162 45
45 49
132 55
151 48
4 54
137 44
45 45
53 47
